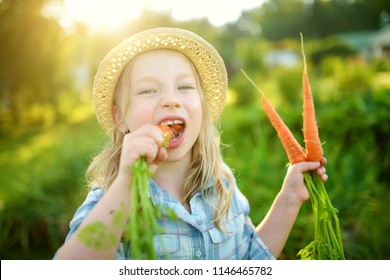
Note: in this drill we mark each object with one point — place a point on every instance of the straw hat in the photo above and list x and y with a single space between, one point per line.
208 63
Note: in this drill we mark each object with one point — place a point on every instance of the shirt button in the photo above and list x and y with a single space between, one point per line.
198 253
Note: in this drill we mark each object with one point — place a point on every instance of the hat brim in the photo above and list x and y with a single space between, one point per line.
207 62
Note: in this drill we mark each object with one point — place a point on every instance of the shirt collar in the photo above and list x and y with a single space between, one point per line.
160 196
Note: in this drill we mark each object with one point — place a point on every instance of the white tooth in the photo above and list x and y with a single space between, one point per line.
169 122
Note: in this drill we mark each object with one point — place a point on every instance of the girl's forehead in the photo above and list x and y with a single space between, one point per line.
161 61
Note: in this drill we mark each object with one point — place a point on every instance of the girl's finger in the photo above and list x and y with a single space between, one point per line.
307 165
150 150
321 171
151 131
324 178
161 156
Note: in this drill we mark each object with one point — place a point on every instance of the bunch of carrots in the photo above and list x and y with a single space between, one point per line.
143 221
327 243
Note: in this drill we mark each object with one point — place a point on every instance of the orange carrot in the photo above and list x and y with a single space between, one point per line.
291 146
313 145
167 134
293 150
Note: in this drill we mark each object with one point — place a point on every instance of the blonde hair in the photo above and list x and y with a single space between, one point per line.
207 165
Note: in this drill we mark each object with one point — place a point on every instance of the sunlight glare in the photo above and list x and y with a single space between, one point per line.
111 14
102 14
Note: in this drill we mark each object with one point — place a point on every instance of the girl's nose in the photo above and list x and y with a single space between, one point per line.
170 100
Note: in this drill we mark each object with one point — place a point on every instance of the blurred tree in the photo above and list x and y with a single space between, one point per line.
318 18
31 72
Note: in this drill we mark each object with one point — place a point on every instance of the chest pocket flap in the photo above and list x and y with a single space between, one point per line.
231 228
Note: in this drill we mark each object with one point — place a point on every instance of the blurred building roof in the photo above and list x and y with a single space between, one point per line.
380 43
371 43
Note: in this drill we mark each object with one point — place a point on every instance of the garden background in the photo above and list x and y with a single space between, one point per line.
48 131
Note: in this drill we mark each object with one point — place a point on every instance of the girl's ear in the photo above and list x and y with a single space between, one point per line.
115 113
122 127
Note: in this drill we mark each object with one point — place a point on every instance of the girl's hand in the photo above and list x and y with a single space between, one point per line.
146 141
294 185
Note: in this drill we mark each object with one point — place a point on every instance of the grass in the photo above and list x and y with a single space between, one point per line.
42 185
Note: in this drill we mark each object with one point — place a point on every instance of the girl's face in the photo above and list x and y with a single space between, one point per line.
163 89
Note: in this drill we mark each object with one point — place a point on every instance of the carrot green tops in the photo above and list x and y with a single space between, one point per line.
192 235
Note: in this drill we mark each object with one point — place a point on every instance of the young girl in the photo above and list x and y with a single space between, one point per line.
172 76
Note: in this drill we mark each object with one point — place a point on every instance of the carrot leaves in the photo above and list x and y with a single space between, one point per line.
327 243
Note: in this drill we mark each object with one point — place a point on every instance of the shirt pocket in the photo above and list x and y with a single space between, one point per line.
171 247
227 242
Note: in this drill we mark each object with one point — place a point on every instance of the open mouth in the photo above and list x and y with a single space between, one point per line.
176 127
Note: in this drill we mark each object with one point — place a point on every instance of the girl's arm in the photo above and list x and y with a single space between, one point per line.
276 226
116 199
113 210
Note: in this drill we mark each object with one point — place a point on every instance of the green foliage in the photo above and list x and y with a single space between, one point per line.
97 236
27 60
335 49
317 18
42 184
245 52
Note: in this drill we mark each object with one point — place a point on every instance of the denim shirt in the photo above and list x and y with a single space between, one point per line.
193 235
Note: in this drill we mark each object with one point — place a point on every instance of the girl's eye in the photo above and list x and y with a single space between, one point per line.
147 91
185 88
